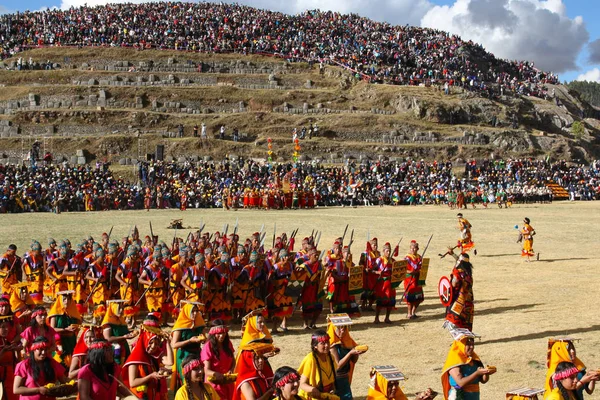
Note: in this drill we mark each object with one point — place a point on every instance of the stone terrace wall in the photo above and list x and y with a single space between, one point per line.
243 82
176 65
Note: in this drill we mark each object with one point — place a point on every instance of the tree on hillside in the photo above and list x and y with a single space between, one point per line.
590 91
578 130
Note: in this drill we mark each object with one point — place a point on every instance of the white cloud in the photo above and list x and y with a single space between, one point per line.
537 30
590 76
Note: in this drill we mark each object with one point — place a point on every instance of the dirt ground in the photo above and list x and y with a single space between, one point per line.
518 306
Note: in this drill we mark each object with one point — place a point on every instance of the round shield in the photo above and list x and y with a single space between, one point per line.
445 291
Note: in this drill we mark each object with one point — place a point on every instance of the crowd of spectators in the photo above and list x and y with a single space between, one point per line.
376 51
233 183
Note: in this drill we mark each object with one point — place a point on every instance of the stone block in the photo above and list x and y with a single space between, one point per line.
92 82
73 160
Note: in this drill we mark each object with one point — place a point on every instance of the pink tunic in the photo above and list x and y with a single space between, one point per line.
221 364
31 333
24 371
100 388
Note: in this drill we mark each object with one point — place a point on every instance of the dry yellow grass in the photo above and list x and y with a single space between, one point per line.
518 305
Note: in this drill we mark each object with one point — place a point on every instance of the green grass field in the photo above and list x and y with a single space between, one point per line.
518 305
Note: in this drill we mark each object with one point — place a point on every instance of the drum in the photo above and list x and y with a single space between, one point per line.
424 271
398 272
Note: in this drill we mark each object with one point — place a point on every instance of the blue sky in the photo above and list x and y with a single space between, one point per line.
556 34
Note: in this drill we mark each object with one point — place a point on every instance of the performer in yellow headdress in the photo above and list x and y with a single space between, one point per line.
64 317
186 338
256 330
566 384
463 370
385 385
343 349
21 303
116 331
559 350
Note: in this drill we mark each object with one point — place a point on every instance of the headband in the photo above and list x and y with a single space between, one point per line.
99 345
215 330
291 377
4 300
38 312
192 365
559 376
39 345
321 339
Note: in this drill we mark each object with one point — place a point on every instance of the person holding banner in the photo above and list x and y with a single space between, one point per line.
413 291
460 311
385 293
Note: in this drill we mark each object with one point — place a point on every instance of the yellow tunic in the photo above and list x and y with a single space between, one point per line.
310 367
210 394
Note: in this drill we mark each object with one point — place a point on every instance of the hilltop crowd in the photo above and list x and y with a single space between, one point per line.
250 184
376 51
